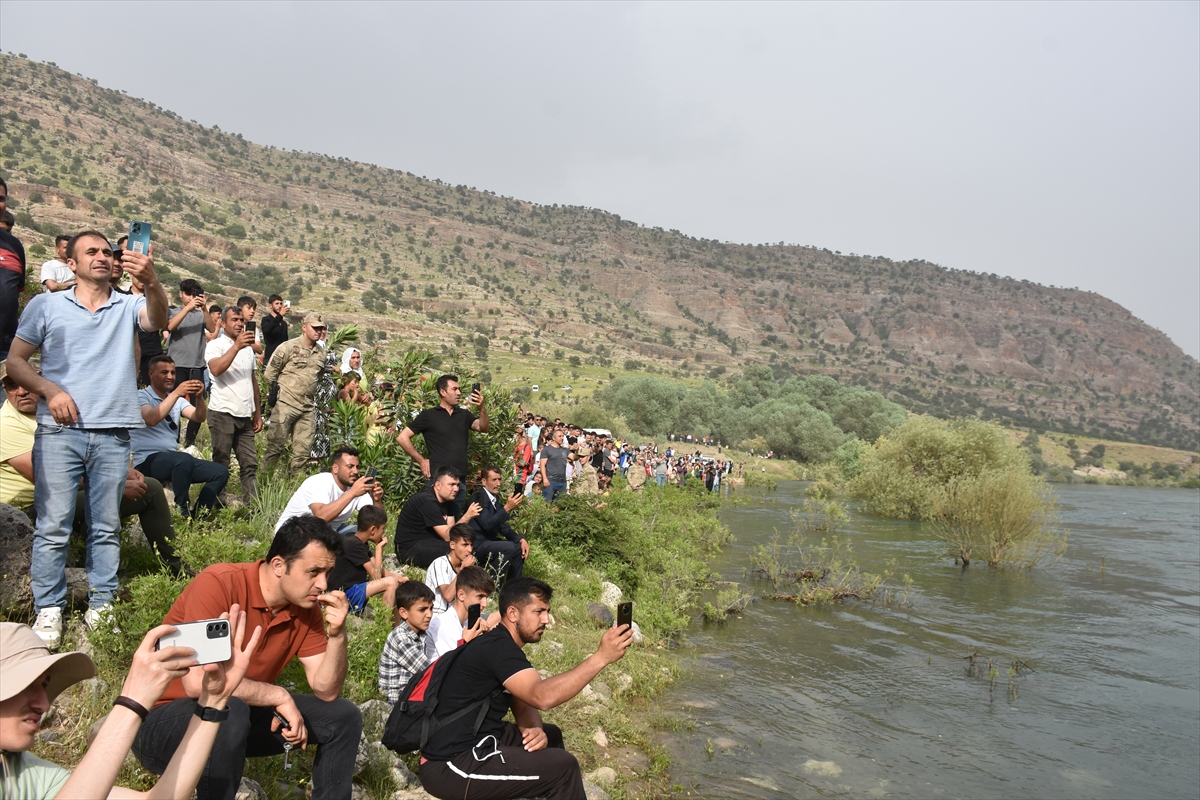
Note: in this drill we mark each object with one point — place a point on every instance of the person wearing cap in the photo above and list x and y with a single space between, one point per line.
296 367
88 390
142 496
31 678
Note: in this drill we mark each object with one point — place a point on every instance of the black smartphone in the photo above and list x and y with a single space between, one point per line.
518 488
371 475
472 615
474 388
624 614
251 325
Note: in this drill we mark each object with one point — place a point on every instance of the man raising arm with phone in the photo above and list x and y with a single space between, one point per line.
286 594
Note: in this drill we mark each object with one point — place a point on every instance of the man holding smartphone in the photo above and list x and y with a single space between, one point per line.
497 544
335 495
189 329
233 410
446 428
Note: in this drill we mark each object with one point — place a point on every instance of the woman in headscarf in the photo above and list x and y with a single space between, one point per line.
352 362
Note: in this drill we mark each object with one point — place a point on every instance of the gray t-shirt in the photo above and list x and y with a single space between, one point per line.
555 459
188 341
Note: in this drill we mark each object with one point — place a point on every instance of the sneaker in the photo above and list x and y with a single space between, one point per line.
48 626
94 617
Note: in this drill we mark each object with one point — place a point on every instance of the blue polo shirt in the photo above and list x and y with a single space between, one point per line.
160 438
87 354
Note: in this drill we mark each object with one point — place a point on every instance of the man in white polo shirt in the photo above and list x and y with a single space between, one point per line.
333 496
233 408
56 276
89 403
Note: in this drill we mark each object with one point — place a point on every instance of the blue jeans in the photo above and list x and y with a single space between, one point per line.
661 480
554 490
61 458
183 470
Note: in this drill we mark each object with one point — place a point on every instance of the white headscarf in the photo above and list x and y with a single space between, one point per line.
346 368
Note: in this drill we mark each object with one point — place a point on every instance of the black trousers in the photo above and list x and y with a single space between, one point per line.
500 553
189 374
335 727
423 553
498 768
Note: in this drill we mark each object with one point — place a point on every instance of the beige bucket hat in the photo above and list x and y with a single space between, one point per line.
24 658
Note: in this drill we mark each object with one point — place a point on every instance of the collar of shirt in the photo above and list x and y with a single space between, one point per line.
491 496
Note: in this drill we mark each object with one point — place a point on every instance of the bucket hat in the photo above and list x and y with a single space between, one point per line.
24 658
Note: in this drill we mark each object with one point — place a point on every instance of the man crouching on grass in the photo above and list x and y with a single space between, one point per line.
506 760
285 594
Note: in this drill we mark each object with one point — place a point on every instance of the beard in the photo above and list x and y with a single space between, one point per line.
531 634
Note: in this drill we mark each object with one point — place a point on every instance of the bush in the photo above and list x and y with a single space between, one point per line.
902 471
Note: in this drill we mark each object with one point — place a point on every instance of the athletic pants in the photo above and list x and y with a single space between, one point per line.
498 768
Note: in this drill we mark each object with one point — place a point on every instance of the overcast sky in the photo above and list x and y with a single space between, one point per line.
1055 142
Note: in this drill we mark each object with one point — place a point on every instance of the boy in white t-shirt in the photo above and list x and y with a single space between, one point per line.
448 629
443 572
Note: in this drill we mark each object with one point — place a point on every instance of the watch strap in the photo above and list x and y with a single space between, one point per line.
210 714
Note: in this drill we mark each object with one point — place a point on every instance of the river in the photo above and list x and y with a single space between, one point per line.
864 700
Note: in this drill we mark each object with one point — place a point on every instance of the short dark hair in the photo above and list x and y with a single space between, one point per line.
4 184
371 516
444 381
446 471
273 298
463 533
158 359
520 592
124 238
225 314
474 578
191 286
247 300
81 235
297 533
215 309
62 237
409 592
488 470
344 450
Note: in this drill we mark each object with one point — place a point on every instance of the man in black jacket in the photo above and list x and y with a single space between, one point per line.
508 554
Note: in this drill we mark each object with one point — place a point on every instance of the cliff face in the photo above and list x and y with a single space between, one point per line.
427 261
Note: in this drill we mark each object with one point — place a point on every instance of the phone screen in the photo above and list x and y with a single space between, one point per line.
371 475
472 615
624 614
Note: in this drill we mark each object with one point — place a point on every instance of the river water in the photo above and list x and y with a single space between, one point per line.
865 700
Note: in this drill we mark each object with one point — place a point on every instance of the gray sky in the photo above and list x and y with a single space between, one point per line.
1055 142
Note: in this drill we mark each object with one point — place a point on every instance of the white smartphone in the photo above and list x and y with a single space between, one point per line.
208 637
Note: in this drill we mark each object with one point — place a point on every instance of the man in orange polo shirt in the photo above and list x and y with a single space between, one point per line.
286 594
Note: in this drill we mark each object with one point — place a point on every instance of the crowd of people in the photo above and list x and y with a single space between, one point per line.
106 389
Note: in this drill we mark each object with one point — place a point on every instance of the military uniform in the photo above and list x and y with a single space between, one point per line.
296 368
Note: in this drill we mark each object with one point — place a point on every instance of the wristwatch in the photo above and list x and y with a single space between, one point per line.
210 714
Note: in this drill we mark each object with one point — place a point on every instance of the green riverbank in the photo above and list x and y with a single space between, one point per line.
654 545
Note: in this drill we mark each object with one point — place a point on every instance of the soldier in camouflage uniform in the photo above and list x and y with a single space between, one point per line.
296 366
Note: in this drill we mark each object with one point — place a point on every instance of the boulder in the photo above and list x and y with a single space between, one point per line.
600 738
610 595
637 633
16 545
601 614
593 792
602 776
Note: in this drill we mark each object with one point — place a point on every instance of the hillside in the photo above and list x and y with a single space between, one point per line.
533 288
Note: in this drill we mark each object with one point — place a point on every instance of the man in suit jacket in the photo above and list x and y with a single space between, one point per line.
495 539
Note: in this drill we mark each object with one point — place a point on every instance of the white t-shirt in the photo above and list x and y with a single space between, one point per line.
445 630
55 270
233 389
321 488
440 573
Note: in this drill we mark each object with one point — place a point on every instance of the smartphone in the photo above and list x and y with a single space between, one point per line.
624 614
371 475
518 488
474 388
251 326
139 237
208 637
472 615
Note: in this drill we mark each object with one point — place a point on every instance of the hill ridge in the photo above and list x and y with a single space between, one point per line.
443 265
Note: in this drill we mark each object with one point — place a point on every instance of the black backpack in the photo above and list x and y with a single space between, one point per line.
413 721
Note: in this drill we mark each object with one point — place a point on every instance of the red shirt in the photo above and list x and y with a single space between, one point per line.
292 632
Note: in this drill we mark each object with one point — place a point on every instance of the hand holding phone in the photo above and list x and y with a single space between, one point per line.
371 475
473 612
625 614
209 638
